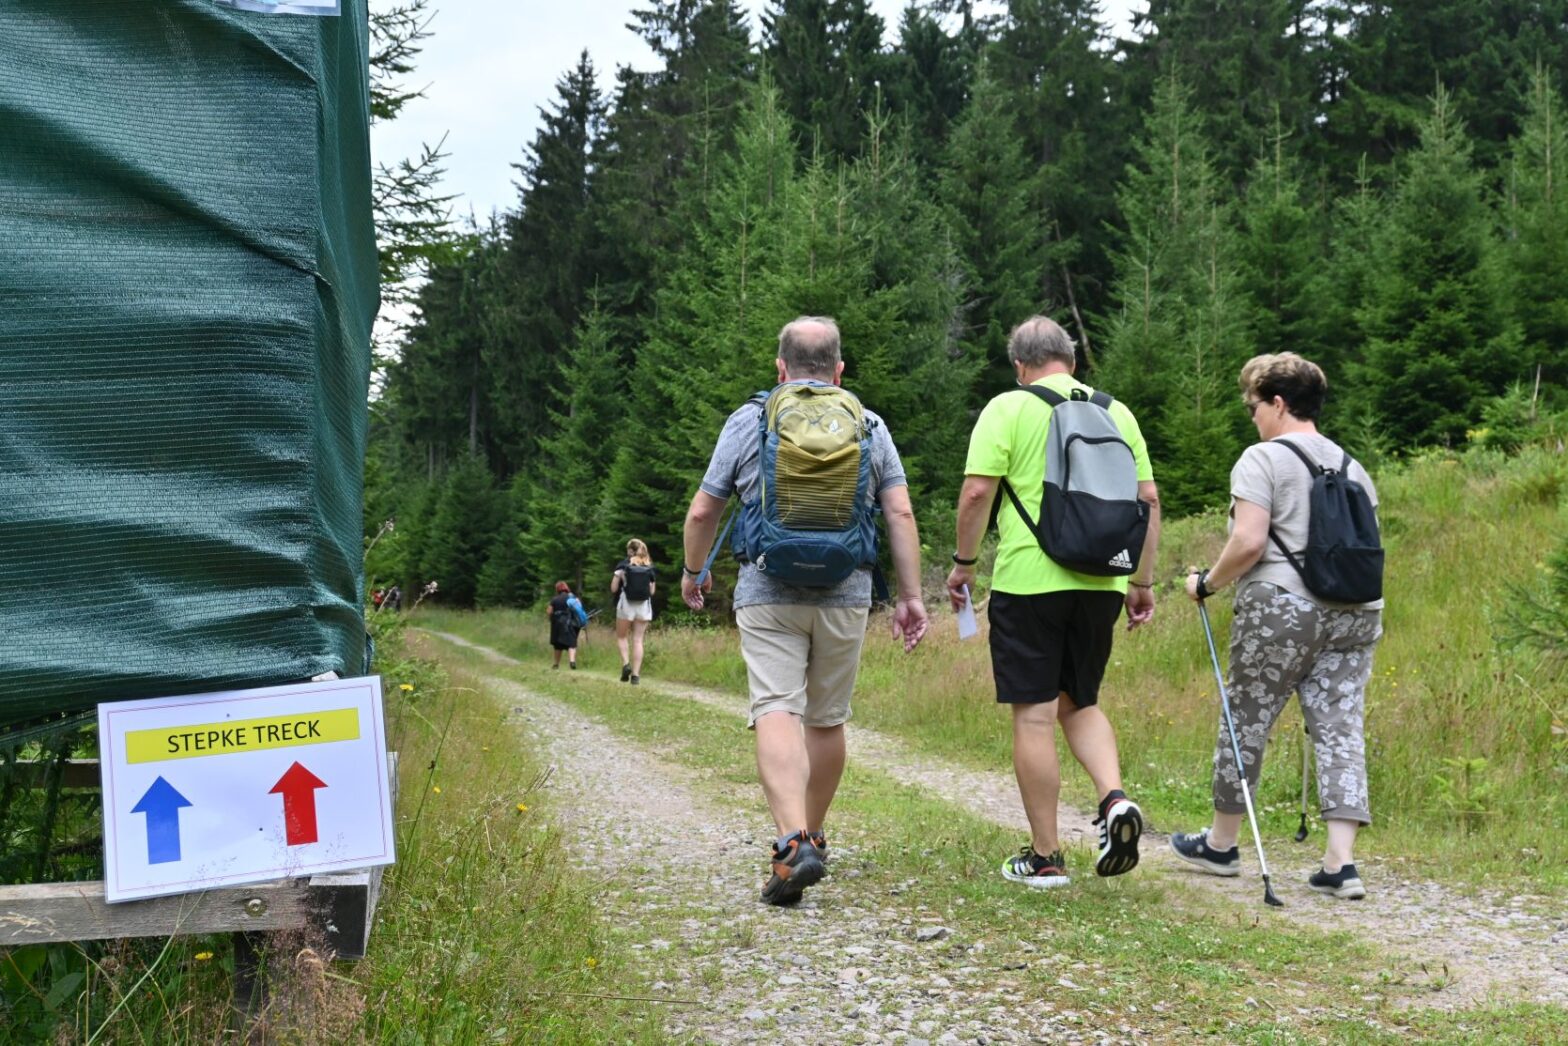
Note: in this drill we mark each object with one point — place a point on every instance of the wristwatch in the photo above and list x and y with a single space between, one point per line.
965 562
689 572
1203 585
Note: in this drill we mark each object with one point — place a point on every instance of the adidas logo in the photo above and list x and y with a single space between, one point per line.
1122 560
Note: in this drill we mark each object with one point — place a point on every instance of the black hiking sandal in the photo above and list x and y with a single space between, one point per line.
636 680
1196 851
1035 871
573 666
1121 824
626 672
1344 884
819 839
795 867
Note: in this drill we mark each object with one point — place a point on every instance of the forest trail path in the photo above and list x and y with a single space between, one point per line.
1465 948
840 966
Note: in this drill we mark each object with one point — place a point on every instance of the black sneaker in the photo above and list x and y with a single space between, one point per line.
635 680
1120 823
626 672
1196 851
1040 873
557 665
1344 884
573 666
795 867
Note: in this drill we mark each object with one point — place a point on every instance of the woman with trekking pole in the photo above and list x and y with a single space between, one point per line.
1304 555
633 585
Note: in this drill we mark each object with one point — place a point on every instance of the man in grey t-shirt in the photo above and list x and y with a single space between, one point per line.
802 645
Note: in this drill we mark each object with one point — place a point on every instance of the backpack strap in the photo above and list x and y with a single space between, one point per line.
1316 470
1051 396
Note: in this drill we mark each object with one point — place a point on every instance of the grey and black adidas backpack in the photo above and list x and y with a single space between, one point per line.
1091 519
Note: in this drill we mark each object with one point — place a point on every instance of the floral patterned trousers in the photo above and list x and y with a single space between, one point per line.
1282 643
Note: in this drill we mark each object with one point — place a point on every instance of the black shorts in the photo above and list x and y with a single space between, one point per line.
1055 642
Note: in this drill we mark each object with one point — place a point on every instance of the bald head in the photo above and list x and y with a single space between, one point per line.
809 348
1040 340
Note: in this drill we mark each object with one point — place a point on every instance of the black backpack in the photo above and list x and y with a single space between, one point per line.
639 583
1343 560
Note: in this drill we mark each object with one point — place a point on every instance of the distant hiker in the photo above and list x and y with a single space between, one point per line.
1286 637
567 619
804 592
392 597
1052 624
634 584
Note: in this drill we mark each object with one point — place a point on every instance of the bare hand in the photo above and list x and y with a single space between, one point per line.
956 582
1140 606
691 592
910 622
1192 586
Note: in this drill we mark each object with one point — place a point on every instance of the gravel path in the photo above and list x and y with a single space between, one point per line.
1465 949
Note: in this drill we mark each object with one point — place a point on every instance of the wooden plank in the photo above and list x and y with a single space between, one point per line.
77 773
50 912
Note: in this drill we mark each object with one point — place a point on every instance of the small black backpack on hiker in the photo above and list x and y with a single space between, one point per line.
1091 518
1343 560
638 586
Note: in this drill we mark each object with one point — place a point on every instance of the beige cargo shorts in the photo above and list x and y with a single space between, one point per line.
802 659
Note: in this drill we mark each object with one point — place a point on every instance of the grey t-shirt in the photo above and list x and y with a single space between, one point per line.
733 471
1274 478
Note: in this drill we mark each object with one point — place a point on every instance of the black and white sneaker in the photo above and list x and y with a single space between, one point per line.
1196 851
1121 824
1033 870
626 672
1344 884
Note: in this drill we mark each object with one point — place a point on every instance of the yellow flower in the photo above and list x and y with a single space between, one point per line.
407 688
484 748
590 962
436 789
203 956
522 808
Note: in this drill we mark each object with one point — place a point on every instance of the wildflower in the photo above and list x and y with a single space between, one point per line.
522 808
407 688
203 956
436 789
590 962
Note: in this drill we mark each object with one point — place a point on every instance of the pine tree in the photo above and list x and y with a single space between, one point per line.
928 81
826 59
510 577
1439 343
1180 332
1051 58
461 531
1535 251
575 459
1282 256
988 190
549 262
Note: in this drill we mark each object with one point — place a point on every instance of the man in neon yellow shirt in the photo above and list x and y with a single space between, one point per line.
1051 628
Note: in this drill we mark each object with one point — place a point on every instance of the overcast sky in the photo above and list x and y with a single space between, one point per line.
492 63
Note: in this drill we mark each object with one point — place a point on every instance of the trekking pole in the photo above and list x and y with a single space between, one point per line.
1235 748
1306 753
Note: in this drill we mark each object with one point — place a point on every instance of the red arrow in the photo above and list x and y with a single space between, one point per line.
298 788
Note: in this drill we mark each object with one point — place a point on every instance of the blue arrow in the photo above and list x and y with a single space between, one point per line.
162 805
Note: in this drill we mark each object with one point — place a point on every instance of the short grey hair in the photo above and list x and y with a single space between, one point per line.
809 347
1039 340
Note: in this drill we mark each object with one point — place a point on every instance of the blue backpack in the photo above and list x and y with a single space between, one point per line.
813 522
579 615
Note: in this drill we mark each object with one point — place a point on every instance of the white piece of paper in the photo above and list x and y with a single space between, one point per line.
968 627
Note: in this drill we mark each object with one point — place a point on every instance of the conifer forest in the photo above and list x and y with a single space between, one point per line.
1379 186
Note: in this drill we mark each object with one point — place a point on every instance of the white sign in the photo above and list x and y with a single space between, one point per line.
285 7
243 787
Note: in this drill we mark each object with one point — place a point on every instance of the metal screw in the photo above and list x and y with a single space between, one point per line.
255 907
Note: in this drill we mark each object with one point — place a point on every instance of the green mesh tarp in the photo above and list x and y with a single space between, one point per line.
187 286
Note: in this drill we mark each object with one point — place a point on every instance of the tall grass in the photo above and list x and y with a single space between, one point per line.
1465 767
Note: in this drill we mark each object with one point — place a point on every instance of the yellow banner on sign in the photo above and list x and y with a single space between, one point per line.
244 735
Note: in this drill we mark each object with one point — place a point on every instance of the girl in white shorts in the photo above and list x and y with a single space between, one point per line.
633 585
